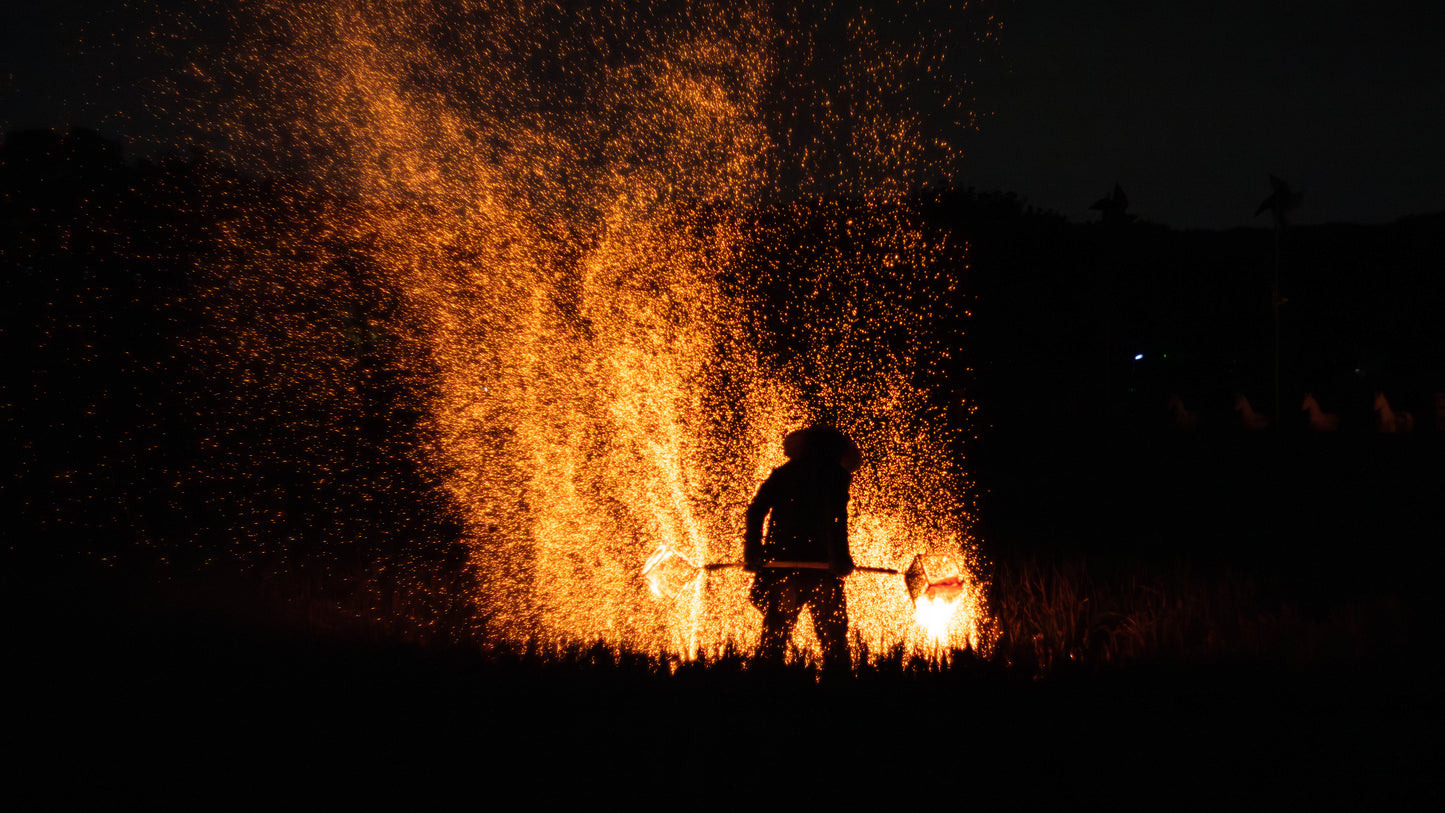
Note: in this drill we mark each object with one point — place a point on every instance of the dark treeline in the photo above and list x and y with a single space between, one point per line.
1062 310
197 402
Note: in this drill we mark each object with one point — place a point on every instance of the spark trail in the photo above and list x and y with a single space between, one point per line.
621 242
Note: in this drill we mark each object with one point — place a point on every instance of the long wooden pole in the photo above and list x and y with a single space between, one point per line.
1275 301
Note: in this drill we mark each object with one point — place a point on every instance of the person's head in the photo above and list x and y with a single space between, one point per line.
822 442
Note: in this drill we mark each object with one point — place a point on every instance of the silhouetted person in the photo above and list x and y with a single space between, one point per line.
802 559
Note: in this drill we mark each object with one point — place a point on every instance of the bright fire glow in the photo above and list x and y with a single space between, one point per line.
935 615
568 199
938 608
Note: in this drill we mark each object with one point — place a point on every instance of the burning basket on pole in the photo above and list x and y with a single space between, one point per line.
668 573
935 576
934 581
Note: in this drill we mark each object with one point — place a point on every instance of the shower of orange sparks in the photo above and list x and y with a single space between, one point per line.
559 197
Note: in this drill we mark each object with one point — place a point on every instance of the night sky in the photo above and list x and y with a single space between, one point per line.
1188 105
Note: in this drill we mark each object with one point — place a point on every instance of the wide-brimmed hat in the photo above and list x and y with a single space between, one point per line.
823 440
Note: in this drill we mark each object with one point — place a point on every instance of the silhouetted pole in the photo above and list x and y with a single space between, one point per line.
1275 302
1279 202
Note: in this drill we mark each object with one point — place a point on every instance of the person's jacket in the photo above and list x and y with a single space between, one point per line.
808 501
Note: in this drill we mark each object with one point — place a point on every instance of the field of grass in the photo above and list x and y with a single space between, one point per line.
1060 614
1106 688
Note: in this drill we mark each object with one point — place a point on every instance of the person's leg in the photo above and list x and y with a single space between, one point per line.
829 607
781 605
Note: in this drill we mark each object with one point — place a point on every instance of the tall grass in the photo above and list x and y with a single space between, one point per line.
1054 614
1049 615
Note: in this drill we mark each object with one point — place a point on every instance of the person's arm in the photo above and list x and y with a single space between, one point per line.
753 533
840 559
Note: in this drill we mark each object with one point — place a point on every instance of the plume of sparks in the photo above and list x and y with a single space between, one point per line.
633 245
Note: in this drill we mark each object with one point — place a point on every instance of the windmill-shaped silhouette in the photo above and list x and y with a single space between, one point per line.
1112 207
1281 201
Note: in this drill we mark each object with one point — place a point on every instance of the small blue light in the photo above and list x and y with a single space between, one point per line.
1138 356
